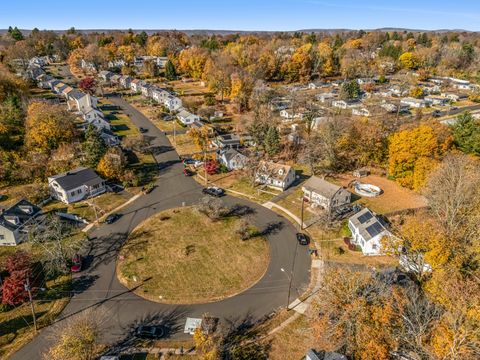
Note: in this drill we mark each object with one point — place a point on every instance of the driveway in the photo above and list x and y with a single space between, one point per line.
121 310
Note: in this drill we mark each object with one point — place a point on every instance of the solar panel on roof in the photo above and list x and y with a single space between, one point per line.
365 217
374 229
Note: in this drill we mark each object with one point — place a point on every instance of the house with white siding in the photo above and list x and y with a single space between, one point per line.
15 221
368 230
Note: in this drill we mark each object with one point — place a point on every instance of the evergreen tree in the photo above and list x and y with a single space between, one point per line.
94 147
272 141
15 33
466 134
170 72
350 90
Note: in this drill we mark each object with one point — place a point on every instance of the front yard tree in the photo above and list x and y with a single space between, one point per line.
13 290
170 72
87 84
272 141
350 90
112 164
94 147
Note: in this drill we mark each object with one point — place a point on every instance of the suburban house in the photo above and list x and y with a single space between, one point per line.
76 185
280 104
323 355
159 95
186 117
45 81
118 63
57 85
454 97
322 193
95 117
135 85
109 138
87 65
125 81
115 79
232 159
105 75
172 103
412 102
326 97
81 101
342 104
14 222
146 89
367 231
389 107
277 176
289 114
360 112
436 100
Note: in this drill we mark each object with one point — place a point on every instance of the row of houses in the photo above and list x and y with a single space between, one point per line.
159 95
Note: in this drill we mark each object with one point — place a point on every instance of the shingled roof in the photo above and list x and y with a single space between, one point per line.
76 178
17 215
321 186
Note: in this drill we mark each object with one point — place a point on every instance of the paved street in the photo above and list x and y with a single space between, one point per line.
97 287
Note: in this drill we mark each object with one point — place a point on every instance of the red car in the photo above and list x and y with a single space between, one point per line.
77 263
187 172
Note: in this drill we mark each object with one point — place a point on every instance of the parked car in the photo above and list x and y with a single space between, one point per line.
112 218
187 172
214 191
302 239
150 332
437 113
195 163
143 130
76 263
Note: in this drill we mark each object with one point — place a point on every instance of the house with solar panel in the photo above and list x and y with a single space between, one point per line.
367 231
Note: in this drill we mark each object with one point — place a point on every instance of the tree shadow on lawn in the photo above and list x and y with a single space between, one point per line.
238 210
18 323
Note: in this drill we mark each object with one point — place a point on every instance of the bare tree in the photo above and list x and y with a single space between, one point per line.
214 208
454 195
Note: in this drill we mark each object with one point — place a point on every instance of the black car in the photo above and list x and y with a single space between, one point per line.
143 130
302 239
213 191
437 113
150 332
112 218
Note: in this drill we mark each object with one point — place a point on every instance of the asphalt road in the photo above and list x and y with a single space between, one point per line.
121 311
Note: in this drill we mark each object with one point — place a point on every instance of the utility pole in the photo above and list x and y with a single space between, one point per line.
29 290
174 132
289 286
303 202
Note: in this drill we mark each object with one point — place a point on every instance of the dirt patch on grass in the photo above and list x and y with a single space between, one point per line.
181 256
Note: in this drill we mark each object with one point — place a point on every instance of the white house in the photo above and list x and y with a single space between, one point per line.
290 115
412 102
389 107
361 112
341 104
146 90
454 97
116 63
14 222
159 95
436 100
186 117
232 159
105 75
280 104
277 176
135 85
96 118
326 97
367 231
325 194
81 101
76 185
172 103
87 65
125 81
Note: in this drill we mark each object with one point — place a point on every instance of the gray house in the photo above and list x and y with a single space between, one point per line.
323 355
232 159
14 222
325 194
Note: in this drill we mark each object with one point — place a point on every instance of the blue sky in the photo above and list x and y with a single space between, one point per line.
240 14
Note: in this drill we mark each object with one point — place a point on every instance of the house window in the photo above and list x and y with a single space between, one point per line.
2 237
79 191
72 193
374 247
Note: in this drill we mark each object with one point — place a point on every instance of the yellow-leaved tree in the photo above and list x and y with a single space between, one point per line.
48 126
